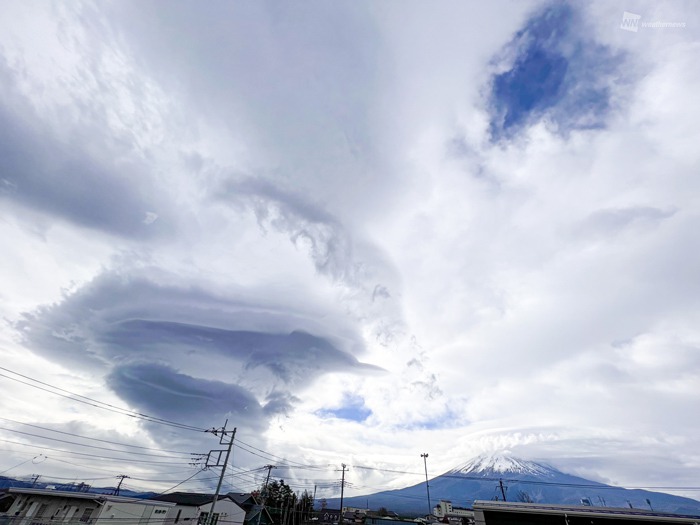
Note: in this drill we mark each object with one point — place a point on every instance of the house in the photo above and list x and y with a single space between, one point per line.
191 508
255 514
51 507
327 516
507 513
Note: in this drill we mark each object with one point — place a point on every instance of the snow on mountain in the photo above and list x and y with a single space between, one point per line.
488 465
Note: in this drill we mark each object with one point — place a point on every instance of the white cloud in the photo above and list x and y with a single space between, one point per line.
250 168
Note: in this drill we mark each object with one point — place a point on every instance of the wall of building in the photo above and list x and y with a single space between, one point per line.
229 513
123 513
65 509
445 509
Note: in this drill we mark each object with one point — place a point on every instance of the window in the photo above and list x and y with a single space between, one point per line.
86 515
70 513
204 519
42 510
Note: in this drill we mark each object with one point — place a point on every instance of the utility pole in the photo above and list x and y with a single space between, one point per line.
119 485
264 491
342 489
35 478
427 486
223 441
503 491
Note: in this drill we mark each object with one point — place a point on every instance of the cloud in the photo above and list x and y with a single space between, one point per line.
361 267
290 356
158 389
612 221
73 173
457 227
140 331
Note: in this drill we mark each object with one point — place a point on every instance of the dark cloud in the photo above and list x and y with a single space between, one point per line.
184 353
158 389
118 320
74 175
290 356
557 73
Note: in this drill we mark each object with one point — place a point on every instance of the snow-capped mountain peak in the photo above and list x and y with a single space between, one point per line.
501 463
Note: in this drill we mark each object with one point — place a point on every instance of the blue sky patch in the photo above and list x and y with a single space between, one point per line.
534 83
353 409
556 74
441 420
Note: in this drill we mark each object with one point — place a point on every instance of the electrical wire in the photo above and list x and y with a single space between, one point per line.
113 471
82 444
176 486
271 456
129 460
96 403
94 439
240 444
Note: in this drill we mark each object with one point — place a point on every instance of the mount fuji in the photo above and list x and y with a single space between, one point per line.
522 480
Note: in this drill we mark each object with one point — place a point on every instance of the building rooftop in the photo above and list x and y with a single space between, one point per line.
85 495
582 510
190 499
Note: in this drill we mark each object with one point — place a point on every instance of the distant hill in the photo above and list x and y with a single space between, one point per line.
522 481
6 482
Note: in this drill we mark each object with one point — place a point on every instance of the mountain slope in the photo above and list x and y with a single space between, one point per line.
522 481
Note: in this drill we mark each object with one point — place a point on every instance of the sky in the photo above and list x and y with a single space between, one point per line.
358 231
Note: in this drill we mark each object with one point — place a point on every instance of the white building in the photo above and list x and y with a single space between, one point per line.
193 509
444 509
54 507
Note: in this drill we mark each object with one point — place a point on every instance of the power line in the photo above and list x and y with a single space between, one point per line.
52 458
96 403
184 481
245 446
269 454
94 455
94 439
82 444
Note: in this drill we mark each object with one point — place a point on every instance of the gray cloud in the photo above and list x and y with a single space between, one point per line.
140 332
328 125
158 389
296 83
289 356
331 247
73 174
614 220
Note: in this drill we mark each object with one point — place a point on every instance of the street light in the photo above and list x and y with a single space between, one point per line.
427 487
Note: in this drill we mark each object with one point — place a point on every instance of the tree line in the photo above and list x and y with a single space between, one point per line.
284 505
